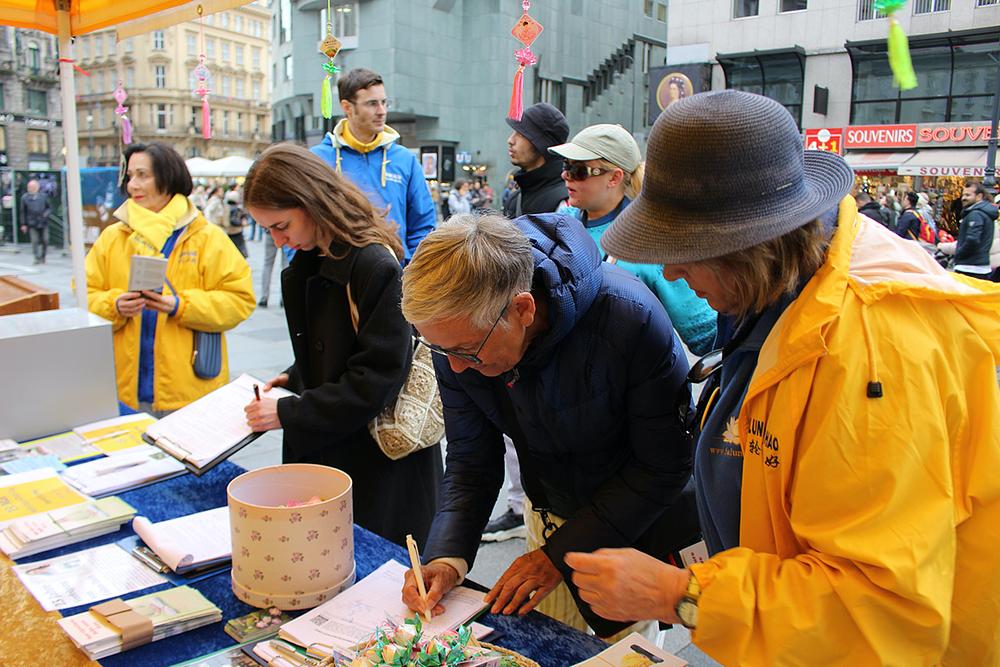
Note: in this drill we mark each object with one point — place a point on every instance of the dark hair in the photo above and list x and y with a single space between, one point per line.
357 79
862 198
912 197
977 188
288 176
170 173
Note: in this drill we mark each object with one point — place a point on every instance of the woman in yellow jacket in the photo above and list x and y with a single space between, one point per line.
208 285
846 469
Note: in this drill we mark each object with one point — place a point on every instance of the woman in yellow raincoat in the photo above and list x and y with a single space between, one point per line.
847 463
208 286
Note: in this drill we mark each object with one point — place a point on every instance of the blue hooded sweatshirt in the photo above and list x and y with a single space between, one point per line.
391 178
596 408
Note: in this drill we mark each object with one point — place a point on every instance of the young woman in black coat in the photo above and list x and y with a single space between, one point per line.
343 377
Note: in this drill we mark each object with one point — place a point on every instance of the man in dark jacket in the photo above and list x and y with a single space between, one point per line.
577 361
871 208
908 224
540 185
975 235
35 211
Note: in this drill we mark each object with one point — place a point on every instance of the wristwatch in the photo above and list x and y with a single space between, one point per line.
687 606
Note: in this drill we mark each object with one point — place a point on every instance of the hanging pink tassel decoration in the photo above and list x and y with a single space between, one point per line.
526 31
121 110
202 76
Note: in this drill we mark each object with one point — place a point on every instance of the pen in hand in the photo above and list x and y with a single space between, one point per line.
256 392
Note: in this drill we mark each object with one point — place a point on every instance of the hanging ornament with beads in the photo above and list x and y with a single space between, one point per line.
898 46
203 82
329 48
526 31
122 112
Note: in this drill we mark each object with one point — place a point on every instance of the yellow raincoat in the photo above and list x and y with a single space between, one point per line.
870 527
216 293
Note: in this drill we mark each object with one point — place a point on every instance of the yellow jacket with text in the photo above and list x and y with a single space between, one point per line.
870 527
215 288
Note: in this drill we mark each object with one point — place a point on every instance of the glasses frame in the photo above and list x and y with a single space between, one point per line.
373 104
464 356
573 169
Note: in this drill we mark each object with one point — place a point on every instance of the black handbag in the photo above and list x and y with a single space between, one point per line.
207 359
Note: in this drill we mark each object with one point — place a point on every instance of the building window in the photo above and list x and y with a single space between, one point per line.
224 44
239 124
2 97
655 9
255 57
792 5
241 88
38 102
868 12
34 57
285 18
227 86
956 76
210 48
238 23
192 44
224 20
160 75
288 68
38 142
84 44
258 123
930 6
238 52
225 123
550 91
345 21
130 77
161 116
255 90
987 3
98 46
127 45
745 8
778 75
158 39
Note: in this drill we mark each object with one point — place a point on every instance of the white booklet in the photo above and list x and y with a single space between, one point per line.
123 470
188 542
633 650
85 576
350 618
68 525
206 432
146 273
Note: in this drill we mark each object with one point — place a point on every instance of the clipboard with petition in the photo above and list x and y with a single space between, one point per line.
208 431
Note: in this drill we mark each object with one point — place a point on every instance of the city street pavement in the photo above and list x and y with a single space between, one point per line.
260 346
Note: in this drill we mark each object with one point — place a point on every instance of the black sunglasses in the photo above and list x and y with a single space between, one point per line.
577 171
472 358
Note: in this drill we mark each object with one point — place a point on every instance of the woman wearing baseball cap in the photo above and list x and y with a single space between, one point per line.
850 431
602 168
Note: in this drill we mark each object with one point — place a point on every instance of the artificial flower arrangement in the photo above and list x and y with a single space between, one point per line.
404 646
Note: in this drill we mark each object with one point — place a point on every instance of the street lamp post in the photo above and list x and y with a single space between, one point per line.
990 173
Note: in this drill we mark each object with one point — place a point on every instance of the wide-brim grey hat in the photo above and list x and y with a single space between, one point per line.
725 171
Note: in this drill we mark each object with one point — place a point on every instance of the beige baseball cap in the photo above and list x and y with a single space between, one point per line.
603 142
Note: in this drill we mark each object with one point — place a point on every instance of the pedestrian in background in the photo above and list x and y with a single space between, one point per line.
35 211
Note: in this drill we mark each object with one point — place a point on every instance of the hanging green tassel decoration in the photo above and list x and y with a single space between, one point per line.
899 58
329 48
898 46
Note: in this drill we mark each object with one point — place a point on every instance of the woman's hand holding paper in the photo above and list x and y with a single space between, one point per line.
130 304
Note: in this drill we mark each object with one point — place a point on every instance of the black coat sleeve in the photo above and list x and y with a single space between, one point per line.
376 367
657 399
474 472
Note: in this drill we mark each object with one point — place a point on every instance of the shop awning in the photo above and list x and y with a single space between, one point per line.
872 161
945 162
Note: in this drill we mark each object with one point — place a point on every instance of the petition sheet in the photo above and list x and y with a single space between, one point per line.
85 577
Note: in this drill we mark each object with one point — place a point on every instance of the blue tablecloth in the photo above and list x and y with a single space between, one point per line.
538 637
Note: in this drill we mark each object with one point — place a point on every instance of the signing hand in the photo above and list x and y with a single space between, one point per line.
262 415
280 380
628 585
164 304
439 578
129 304
525 583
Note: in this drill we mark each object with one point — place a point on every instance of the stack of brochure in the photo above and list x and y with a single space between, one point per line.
33 492
172 612
123 470
40 532
188 543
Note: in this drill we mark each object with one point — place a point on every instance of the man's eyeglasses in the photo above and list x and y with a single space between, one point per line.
472 358
577 171
373 104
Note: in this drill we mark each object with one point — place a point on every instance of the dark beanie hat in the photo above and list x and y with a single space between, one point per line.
543 125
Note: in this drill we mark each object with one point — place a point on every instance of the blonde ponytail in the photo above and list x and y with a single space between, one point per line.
633 183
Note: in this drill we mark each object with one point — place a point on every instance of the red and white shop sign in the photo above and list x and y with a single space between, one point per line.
825 139
880 136
953 134
941 171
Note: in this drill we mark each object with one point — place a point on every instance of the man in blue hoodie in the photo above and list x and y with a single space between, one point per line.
577 361
364 149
